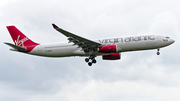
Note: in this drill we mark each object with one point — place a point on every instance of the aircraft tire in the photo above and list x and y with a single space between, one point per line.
90 64
158 53
87 59
94 61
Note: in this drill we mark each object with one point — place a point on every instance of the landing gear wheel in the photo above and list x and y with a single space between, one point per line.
94 61
87 59
90 60
90 64
158 53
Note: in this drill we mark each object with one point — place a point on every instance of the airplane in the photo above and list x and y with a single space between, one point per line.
109 49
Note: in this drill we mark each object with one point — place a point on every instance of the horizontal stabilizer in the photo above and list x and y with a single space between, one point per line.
16 47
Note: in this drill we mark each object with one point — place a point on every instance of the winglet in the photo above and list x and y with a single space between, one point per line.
55 26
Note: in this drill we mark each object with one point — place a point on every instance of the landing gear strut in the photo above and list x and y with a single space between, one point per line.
158 53
90 60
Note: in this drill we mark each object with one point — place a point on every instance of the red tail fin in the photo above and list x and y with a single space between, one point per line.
19 38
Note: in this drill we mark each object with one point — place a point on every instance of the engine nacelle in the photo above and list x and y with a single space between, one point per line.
115 56
108 49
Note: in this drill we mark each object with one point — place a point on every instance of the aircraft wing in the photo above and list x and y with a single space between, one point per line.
84 43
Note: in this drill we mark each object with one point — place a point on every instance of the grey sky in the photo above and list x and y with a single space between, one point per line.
138 76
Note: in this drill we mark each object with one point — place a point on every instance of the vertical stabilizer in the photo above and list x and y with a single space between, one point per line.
19 38
22 42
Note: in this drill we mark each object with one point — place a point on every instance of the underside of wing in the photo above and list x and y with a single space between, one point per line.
84 43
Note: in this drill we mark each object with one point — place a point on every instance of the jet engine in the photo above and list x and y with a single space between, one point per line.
108 49
115 56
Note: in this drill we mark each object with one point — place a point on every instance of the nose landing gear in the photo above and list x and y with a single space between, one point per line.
158 53
92 58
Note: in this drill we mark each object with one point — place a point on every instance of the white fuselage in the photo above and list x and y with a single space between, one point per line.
123 45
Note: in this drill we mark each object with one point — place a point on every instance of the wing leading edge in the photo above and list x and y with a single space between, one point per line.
86 44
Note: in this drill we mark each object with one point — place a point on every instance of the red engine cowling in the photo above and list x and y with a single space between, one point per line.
108 49
115 56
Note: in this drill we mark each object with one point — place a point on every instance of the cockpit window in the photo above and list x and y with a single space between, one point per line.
167 37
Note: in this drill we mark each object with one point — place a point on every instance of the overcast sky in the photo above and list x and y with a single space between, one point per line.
138 76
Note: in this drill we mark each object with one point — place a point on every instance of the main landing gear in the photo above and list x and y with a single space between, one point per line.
158 53
90 60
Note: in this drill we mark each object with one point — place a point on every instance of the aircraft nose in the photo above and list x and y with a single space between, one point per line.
172 41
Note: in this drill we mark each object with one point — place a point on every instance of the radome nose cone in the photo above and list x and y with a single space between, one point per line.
171 41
